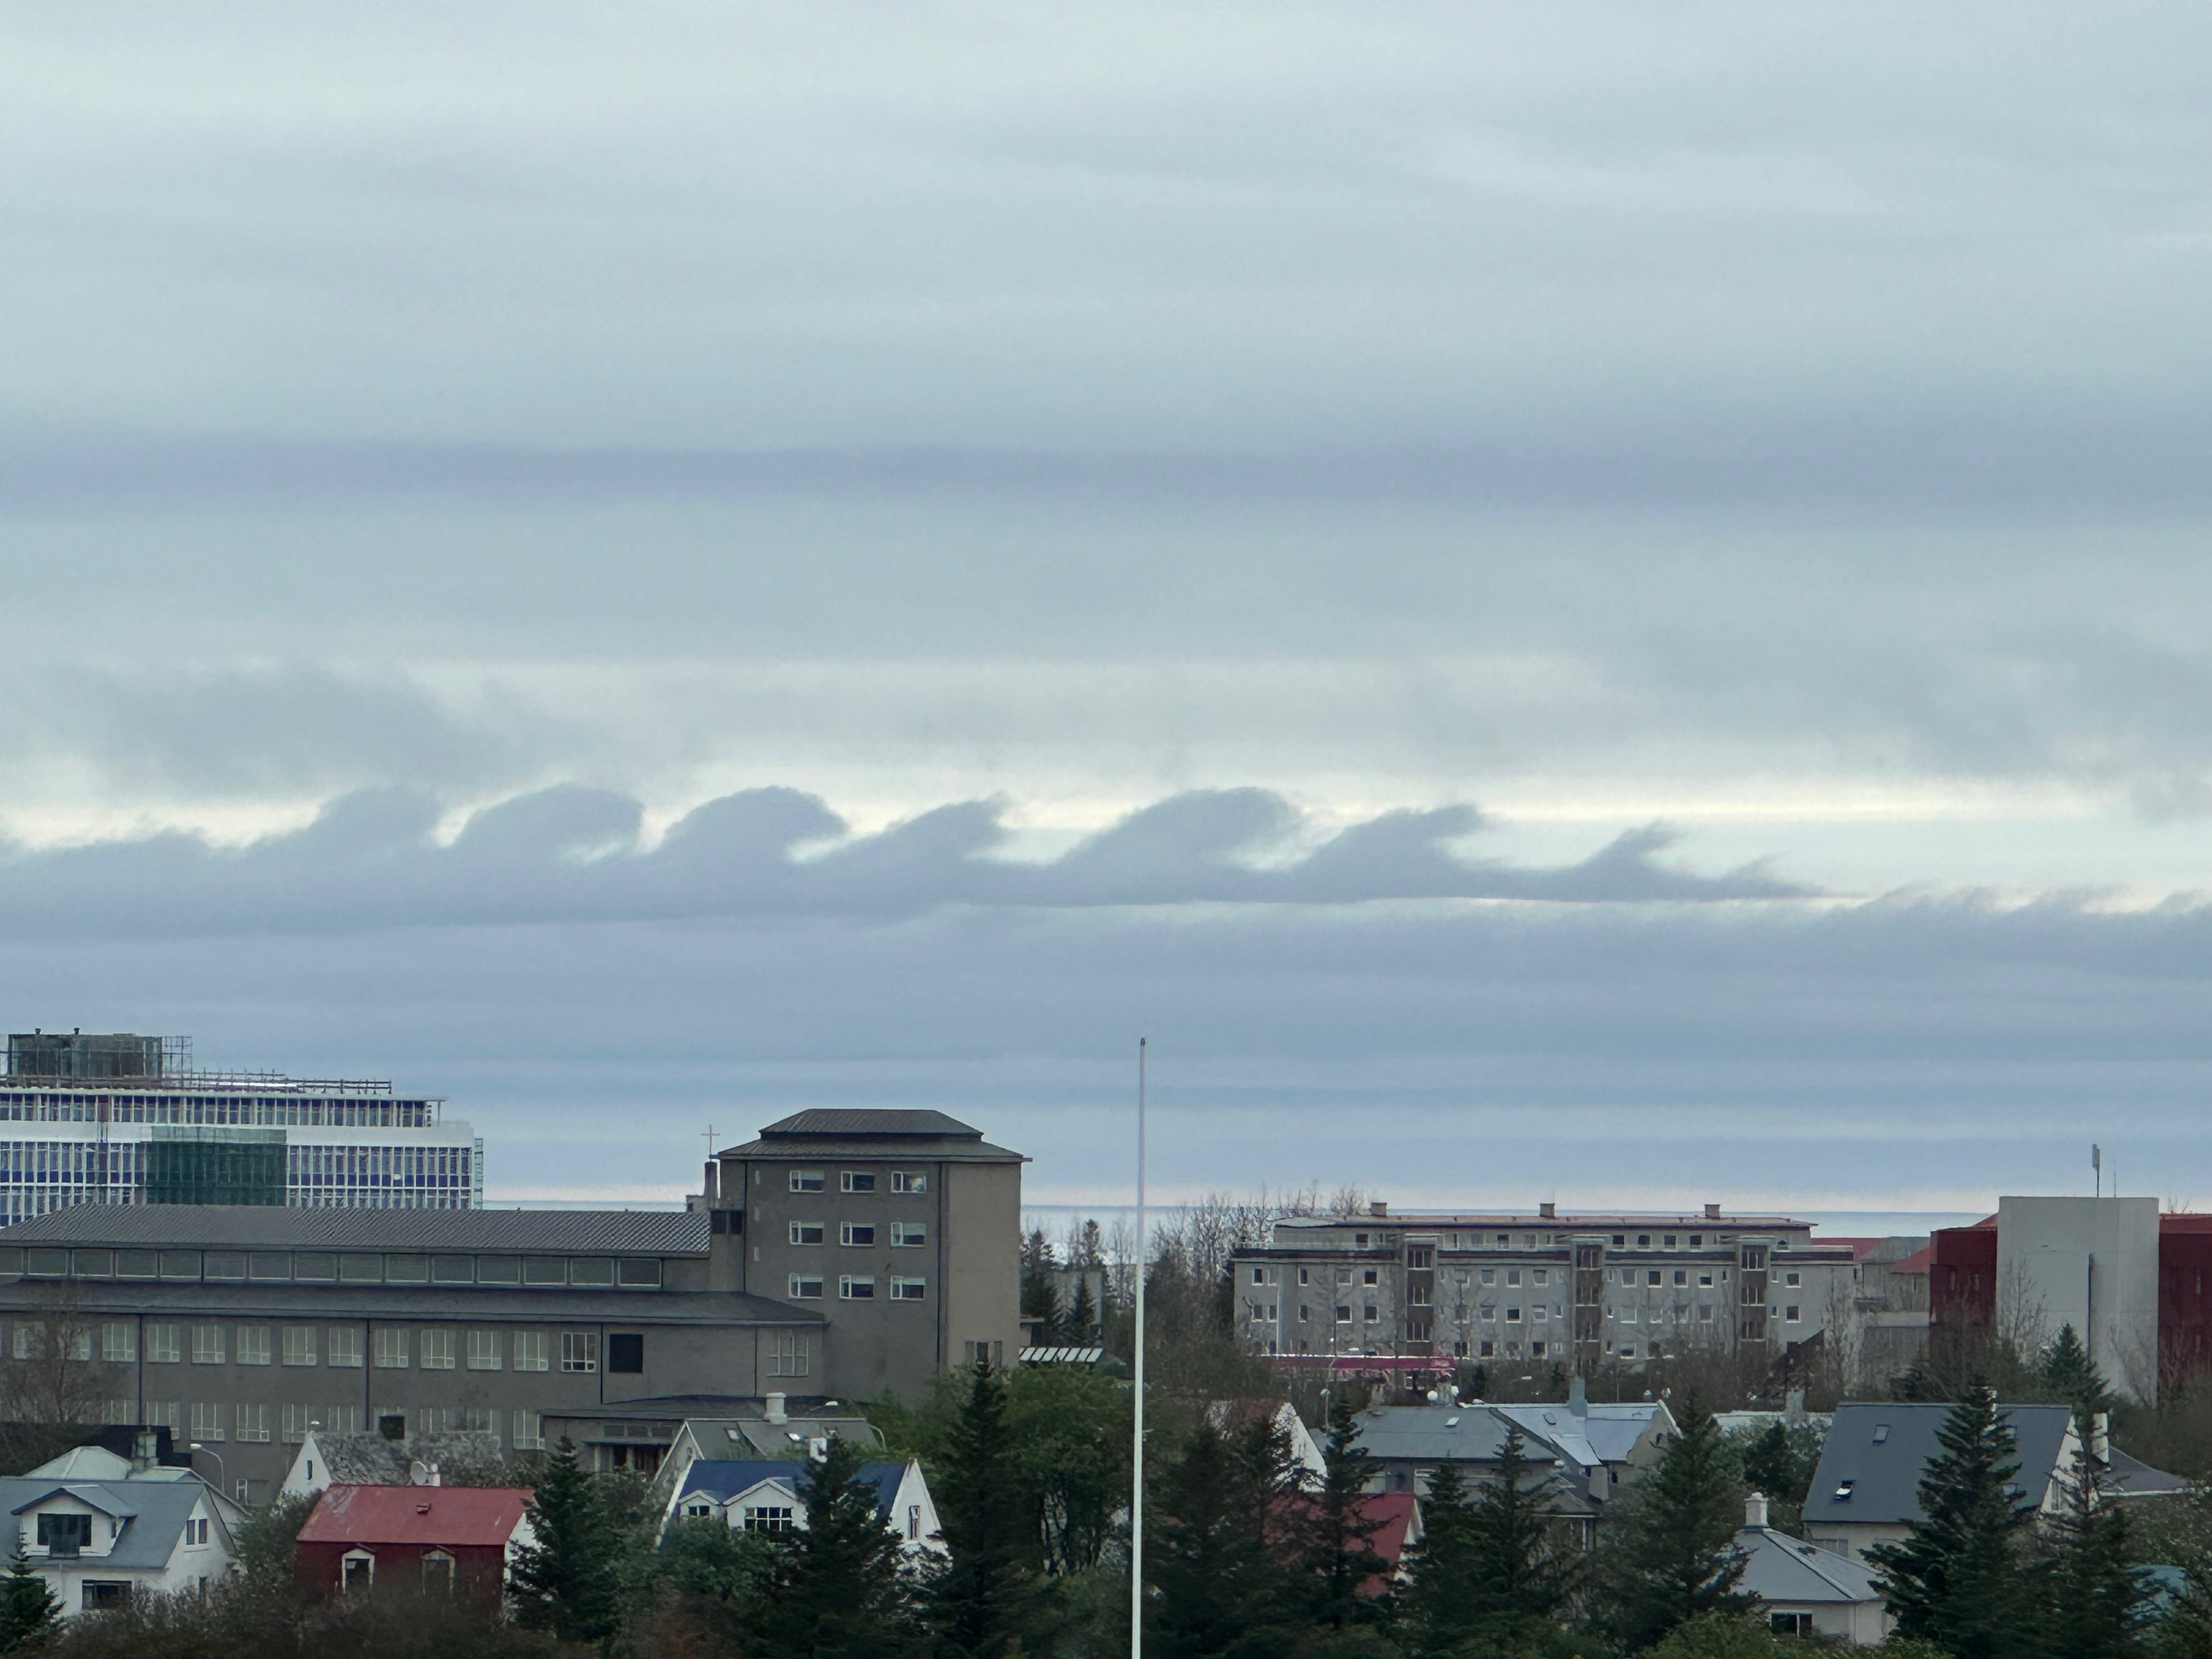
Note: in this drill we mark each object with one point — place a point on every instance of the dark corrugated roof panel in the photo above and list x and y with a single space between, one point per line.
248 1226
849 1121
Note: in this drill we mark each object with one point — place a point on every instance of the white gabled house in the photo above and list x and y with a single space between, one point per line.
96 1542
762 1495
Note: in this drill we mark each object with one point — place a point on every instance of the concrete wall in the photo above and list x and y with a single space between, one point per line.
2092 1263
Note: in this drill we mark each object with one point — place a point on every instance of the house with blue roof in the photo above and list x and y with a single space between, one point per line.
96 1542
762 1495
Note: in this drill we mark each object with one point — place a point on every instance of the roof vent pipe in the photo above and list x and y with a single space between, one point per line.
1712 1212
1549 1211
776 1412
1578 1396
1378 1207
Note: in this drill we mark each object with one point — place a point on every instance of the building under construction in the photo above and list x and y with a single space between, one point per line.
115 1118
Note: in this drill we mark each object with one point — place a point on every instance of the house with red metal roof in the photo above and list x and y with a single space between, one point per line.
437 1539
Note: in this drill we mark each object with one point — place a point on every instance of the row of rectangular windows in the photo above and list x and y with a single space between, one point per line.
909 1182
75 1107
1791 1314
214 1421
853 1287
433 1348
584 1272
905 1235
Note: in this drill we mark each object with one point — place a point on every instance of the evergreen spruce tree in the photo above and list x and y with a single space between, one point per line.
2069 1374
1336 1530
1957 1580
568 1579
1082 1313
28 1610
837 1593
1485 1573
979 1599
1040 1296
1779 1462
1673 1555
1221 1590
2097 1603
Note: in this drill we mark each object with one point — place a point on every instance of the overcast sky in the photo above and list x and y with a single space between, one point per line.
1584 602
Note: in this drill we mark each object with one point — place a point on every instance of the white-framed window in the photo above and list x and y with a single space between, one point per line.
206 1345
1489 1276
253 1422
483 1351
477 1420
1650 1276
342 1420
1705 1314
857 1233
437 1350
356 1572
580 1351
294 1420
910 1290
806 1181
168 1413
767 1518
1789 1315
1512 1276
1368 1277
854 1288
529 1431
909 1235
804 1287
1513 1316
909 1181
390 1350
345 1346
164 1344
207 1420
1541 1275
1343 1313
808 1232
299 1344
1792 1281
430 1419
119 1342
857 1181
1539 1314
788 1353
80 1341
252 1344
531 1349
437 1573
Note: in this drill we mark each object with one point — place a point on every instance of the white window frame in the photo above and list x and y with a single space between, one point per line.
803 1287
253 1344
913 1182
533 1351
800 1229
483 1351
856 1181
845 1229
438 1348
856 1287
391 1349
579 1353
345 1347
119 1342
208 1345
299 1344
910 1290
808 1181
910 1235
165 1343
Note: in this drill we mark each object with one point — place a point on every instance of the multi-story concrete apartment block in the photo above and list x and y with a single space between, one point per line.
1591 1288
903 1227
115 1118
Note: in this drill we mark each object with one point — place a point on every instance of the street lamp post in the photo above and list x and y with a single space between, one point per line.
221 1473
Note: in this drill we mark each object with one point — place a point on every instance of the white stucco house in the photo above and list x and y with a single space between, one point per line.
763 1496
96 1542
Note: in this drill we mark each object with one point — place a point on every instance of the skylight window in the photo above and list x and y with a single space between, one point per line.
1843 1491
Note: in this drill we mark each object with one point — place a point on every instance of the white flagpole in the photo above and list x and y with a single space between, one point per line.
1137 1493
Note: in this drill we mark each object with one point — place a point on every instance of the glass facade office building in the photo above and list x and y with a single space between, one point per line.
122 1120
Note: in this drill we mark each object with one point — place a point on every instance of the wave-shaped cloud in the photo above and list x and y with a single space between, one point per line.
371 860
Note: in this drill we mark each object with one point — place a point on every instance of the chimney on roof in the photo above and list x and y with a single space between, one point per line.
775 1411
1754 1510
1578 1396
1378 1207
2100 1437
145 1450
1712 1212
713 1189
1793 1407
1549 1210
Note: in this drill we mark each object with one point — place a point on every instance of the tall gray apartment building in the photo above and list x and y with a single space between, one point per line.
116 1118
1589 1288
841 1254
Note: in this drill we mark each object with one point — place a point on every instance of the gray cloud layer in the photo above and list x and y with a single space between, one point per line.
566 854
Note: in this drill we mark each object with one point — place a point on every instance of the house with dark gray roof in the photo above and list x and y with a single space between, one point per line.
95 1542
1592 1449
841 1254
1866 1490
